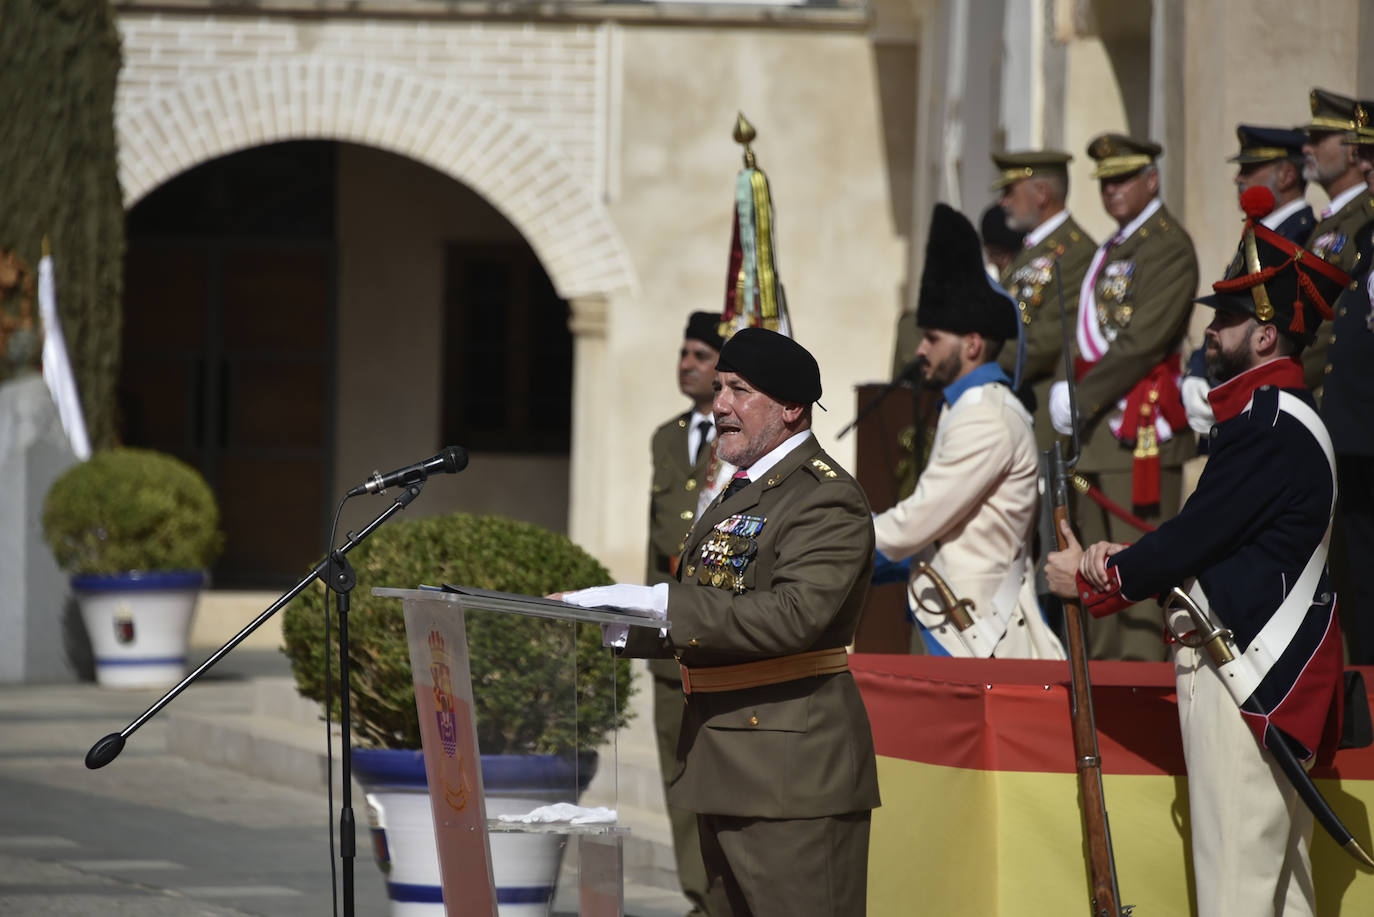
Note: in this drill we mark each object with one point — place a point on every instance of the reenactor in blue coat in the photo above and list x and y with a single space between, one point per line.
1348 409
1252 540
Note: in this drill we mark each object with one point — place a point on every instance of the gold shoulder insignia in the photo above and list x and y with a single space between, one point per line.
823 468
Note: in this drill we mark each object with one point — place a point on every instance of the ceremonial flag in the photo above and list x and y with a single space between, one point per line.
753 293
57 368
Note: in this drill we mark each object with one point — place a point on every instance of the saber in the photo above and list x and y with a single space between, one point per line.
1221 647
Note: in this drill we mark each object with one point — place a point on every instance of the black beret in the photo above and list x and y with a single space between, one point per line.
705 327
773 363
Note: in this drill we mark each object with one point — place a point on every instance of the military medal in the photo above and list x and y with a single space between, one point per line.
726 553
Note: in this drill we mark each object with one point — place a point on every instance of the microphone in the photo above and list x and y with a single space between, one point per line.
911 372
450 461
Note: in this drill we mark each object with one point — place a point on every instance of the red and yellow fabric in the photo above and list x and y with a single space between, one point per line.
980 813
754 295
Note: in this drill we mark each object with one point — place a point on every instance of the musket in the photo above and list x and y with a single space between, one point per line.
1104 895
1220 644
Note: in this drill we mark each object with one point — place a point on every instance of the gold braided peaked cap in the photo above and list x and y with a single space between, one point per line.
1015 166
1331 112
1117 154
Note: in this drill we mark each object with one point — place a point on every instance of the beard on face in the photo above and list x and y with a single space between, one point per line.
944 372
743 454
1223 364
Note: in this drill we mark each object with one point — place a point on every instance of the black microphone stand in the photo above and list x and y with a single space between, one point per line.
909 376
336 573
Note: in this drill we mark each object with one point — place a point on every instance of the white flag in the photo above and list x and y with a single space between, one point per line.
57 368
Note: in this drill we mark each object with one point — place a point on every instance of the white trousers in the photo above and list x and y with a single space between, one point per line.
1250 831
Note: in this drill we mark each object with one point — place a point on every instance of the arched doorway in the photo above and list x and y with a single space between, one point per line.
301 312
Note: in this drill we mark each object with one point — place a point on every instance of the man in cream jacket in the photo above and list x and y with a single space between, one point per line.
969 519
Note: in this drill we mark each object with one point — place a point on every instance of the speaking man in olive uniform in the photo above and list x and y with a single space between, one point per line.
1348 411
1034 187
1331 162
1133 311
776 754
685 465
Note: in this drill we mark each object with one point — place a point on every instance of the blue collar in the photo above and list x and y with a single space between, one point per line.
988 372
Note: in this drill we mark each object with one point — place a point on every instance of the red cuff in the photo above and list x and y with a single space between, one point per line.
1102 603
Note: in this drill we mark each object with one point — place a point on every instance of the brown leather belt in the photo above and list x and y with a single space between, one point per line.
764 671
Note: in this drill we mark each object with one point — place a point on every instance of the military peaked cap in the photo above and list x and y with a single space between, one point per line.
773 363
956 293
705 327
1266 144
1277 281
1364 130
1118 155
1016 166
1331 112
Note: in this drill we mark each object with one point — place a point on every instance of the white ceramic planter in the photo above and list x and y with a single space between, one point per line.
139 625
524 866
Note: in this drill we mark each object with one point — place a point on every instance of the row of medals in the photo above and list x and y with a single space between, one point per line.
728 551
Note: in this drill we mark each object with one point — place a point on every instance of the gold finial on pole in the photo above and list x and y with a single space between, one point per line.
745 134
47 245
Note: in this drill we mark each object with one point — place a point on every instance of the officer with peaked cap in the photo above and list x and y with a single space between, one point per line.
685 467
1034 189
1273 157
1348 410
776 754
1133 311
1254 536
971 514
1331 162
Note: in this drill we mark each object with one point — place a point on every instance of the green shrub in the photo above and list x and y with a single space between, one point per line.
521 666
131 510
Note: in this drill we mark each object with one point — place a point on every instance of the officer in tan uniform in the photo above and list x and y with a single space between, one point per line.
684 464
1034 188
1331 162
776 754
1134 305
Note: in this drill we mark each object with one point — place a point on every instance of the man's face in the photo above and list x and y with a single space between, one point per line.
696 370
1258 175
942 350
749 424
1364 159
1228 344
1324 157
1125 196
1020 203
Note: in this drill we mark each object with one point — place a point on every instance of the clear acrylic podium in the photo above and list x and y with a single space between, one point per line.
465 831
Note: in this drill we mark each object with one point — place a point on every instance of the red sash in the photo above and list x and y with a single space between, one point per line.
1154 397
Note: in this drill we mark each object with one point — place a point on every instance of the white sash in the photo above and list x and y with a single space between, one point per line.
1244 673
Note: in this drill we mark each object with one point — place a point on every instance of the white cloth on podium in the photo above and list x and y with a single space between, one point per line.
564 812
653 599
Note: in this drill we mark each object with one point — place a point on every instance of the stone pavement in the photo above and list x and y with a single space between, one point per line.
157 832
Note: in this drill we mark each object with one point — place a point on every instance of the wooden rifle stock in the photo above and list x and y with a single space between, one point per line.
1097 835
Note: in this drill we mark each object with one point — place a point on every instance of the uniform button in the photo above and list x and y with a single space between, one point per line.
688 514
1333 339
691 569
1328 368
1212 433
753 721
1342 312
693 642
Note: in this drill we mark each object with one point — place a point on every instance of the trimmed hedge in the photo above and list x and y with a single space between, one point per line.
131 510
521 666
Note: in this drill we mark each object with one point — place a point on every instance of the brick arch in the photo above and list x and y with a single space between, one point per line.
518 171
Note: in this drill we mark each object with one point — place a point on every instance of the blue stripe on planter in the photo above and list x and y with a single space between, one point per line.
534 894
420 894
141 660
390 768
139 581
433 894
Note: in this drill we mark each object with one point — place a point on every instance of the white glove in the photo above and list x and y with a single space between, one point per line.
1061 417
653 599
1194 390
563 812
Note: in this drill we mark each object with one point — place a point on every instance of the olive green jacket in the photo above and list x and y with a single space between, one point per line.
1144 296
1333 239
803 748
1031 282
